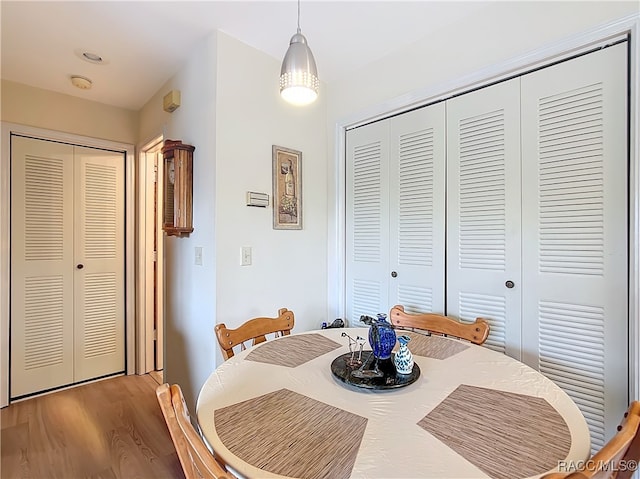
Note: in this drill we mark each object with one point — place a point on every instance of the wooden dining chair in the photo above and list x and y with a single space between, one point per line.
476 332
618 458
196 459
254 330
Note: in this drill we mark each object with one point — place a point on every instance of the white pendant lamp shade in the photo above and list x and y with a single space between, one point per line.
299 82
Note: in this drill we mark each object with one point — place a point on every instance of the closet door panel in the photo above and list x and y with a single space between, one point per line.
417 209
41 265
99 248
367 228
483 211
575 323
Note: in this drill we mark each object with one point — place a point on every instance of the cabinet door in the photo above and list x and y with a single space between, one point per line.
367 218
483 211
575 325
416 210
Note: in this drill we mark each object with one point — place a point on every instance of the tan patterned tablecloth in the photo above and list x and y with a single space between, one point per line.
276 411
302 437
293 350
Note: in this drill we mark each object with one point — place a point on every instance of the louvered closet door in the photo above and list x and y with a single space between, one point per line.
67 322
574 135
367 218
99 248
483 211
41 265
416 209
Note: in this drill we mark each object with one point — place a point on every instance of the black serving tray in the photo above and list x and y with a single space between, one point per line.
390 379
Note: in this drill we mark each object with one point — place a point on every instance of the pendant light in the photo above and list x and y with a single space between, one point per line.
299 82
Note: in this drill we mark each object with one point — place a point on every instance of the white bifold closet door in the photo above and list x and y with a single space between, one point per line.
395 214
483 211
67 264
537 225
367 228
575 238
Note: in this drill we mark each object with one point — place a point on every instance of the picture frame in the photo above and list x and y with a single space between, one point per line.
287 188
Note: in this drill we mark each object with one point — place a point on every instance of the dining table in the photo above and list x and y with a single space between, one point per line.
291 407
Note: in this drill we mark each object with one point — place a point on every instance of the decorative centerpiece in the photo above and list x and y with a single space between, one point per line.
375 369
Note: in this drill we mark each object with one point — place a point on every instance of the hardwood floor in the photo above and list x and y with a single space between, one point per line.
157 375
109 429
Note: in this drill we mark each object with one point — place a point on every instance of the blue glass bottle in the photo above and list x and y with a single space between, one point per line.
382 337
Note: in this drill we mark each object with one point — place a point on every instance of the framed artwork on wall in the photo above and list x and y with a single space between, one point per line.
287 188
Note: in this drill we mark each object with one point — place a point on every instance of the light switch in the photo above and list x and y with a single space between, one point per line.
245 256
198 260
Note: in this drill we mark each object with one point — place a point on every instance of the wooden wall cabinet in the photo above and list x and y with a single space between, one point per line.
178 188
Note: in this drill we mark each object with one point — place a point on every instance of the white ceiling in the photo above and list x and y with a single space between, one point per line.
144 43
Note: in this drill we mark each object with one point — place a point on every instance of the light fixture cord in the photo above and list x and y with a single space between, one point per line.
298 16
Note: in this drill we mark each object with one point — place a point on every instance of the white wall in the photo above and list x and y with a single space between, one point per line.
232 113
289 266
189 289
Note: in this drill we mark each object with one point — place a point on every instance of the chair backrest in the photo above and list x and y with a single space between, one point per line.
255 330
476 332
196 459
618 458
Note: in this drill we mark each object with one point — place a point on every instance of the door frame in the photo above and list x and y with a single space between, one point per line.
573 45
150 172
6 129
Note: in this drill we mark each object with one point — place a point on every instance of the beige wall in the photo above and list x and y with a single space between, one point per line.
26 105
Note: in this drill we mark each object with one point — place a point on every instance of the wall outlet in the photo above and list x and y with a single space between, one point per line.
245 256
198 259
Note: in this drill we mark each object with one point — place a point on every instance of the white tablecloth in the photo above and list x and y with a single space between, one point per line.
392 444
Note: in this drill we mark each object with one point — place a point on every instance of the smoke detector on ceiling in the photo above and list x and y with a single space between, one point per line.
81 82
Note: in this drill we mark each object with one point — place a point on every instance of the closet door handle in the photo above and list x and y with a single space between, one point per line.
509 284
394 274
80 266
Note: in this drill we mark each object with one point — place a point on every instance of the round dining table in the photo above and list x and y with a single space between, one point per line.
279 410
